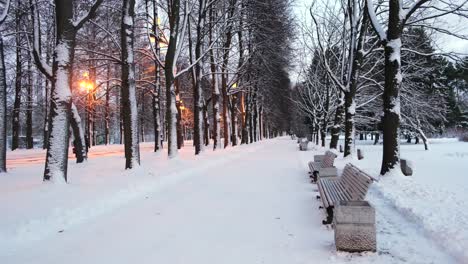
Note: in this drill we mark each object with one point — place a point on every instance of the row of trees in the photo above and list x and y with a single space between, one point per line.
111 71
358 67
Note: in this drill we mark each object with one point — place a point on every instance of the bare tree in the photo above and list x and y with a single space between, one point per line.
399 16
4 7
129 104
61 76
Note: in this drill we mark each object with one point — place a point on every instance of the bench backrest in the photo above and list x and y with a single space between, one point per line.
328 159
356 182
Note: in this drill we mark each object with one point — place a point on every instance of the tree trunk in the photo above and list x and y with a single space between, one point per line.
29 108
3 106
196 79
156 102
18 84
214 86
424 138
350 111
225 110
107 109
78 135
250 117
90 112
245 131
129 101
206 124
350 103
60 105
224 70
45 127
391 97
336 129
423 135
169 69
377 137
179 127
255 118
142 120
234 120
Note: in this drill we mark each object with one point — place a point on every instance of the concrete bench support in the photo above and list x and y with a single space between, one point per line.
406 167
355 226
360 154
303 145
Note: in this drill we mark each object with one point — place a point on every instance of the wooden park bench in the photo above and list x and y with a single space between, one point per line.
324 165
351 186
303 144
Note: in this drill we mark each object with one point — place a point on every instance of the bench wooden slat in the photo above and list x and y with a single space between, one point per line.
335 191
325 162
352 185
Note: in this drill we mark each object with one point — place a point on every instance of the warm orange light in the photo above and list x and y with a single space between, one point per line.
152 39
234 85
158 21
83 85
86 74
182 107
86 86
89 86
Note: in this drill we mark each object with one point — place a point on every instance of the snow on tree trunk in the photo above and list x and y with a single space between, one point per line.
45 126
216 116
3 104
422 134
179 125
391 96
57 152
156 101
171 117
129 101
214 83
350 112
224 71
61 75
197 78
169 71
350 101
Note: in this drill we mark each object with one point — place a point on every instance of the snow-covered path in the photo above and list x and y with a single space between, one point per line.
258 207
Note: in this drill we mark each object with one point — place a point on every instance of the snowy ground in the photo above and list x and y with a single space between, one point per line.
249 204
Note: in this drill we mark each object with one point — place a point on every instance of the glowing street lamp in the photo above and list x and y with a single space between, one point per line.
86 84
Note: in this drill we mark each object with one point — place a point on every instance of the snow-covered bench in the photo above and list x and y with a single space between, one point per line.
303 144
324 164
351 186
